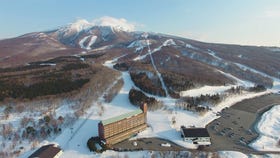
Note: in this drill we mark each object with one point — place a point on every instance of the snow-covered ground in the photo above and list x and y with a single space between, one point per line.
231 154
73 139
269 129
205 90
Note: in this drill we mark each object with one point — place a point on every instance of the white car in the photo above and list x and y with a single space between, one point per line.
166 144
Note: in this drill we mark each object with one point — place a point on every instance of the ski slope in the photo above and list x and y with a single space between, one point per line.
73 140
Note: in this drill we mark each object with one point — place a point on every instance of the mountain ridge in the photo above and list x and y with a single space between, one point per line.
172 54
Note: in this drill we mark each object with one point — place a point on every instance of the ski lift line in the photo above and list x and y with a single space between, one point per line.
155 68
133 63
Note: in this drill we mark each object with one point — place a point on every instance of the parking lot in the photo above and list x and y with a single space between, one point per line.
234 130
155 144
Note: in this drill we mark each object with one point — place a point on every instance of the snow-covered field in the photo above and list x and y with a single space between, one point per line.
269 129
73 139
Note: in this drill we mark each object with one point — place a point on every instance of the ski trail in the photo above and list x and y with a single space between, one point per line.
276 81
155 68
82 41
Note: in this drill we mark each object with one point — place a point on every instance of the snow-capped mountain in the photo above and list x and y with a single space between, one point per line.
88 35
89 71
205 62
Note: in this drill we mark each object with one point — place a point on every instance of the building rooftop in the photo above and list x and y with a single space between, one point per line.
195 132
121 117
47 151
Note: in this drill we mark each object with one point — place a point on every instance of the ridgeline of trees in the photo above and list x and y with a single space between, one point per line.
137 97
50 87
142 81
74 66
257 88
198 104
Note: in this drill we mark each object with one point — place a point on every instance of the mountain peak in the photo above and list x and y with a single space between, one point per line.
82 25
118 24
79 25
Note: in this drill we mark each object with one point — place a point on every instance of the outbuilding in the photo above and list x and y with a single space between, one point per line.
199 136
47 151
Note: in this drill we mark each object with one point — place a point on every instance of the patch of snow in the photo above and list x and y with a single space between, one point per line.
191 47
169 42
269 130
138 45
231 154
211 90
110 63
49 64
103 48
145 55
213 54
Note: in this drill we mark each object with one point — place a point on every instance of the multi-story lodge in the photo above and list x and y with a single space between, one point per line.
119 128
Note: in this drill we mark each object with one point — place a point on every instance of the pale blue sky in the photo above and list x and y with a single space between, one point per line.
254 22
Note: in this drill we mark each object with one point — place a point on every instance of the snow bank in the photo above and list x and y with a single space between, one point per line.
269 130
231 154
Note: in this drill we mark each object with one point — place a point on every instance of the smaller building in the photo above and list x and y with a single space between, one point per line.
199 136
47 151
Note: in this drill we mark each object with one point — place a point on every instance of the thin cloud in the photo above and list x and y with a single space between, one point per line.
115 22
272 14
